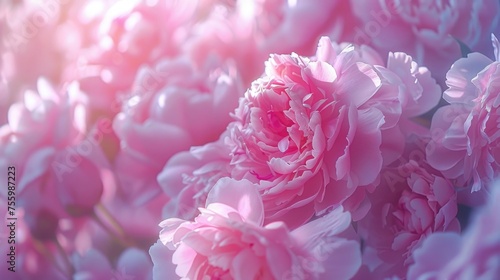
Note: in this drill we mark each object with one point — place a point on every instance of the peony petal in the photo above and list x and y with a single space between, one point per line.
459 77
343 262
314 233
245 265
242 195
434 253
38 164
358 83
163 268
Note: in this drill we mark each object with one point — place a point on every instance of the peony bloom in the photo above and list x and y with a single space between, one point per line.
427 30
474 255
302 134
228 240
308 135
411 202
47 143
176 105
466 142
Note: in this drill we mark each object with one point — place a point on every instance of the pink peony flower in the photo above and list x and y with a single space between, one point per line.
300 134
308 135
46 140
466 142
411 202
426 30
228 241
474 255
176 105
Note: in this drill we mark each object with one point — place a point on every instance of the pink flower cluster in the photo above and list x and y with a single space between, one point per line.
249 139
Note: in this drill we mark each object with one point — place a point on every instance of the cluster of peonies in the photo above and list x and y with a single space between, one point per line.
268 139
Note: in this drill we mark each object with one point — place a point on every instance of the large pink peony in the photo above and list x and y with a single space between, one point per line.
411 202
426 30
466 141
474 255
311 132
228 241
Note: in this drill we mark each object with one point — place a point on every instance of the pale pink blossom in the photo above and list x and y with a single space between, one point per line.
228 240
466 140
473 255
411 202
46 140
426 30
173 106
